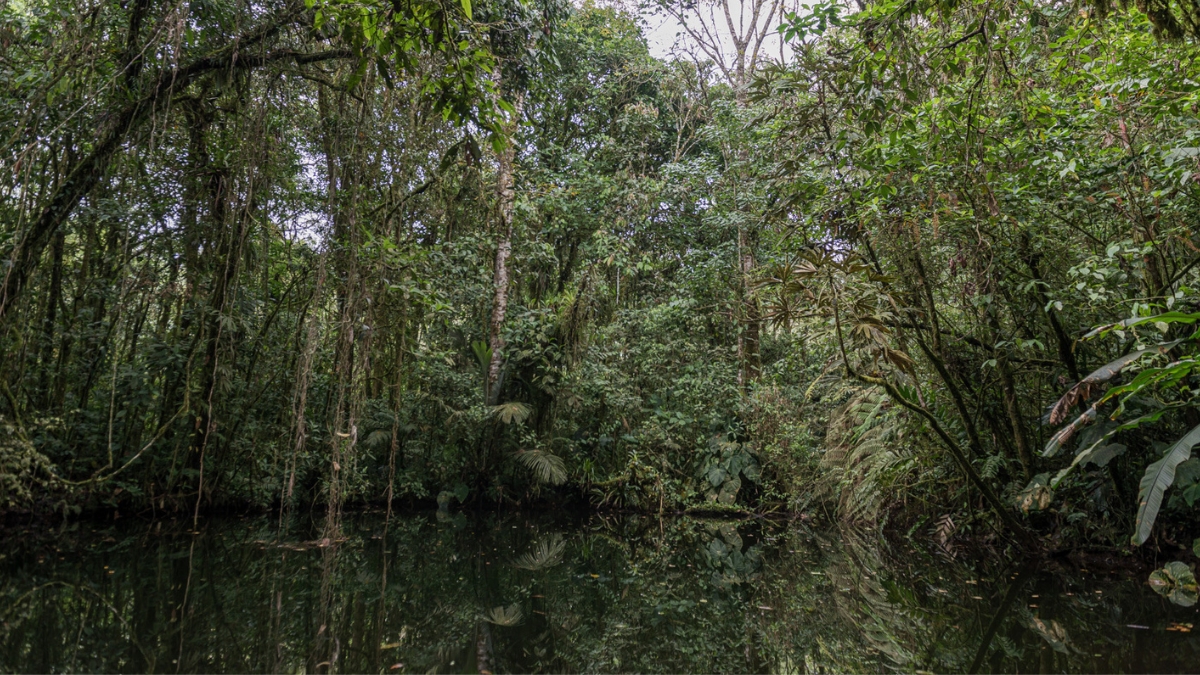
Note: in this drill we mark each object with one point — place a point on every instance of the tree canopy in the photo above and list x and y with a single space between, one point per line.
932 259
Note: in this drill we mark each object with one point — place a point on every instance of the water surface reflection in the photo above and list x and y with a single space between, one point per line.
430 592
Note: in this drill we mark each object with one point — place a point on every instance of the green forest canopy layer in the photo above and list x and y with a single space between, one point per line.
272 253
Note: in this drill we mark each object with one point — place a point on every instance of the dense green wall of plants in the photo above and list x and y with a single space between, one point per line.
275 254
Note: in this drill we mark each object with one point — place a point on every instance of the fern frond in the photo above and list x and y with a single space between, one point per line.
378 438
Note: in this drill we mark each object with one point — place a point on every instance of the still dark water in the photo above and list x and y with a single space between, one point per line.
429 592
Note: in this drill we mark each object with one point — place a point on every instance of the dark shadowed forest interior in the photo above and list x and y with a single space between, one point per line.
923 271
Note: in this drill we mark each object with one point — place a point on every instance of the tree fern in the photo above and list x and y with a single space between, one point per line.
864 458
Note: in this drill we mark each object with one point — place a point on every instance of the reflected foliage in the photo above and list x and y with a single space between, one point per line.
435 592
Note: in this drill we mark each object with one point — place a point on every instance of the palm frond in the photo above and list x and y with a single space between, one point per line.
512 411
545 554
546 467
505 616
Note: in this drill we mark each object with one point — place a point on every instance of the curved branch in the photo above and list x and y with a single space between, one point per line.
91 168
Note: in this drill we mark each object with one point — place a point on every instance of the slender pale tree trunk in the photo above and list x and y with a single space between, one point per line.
749 357
505 197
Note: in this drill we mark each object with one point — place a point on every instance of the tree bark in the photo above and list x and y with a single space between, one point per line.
505 198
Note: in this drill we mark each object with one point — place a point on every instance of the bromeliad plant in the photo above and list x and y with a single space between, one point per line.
1162 383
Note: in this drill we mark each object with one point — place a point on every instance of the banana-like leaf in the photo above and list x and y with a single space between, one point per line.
1099 453
1167 376
510 412
547 468
1064 435
1159 476
1083 389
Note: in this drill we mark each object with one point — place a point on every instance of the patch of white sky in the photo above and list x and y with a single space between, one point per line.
667 38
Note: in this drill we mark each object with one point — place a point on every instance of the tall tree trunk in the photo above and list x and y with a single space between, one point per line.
750 335
749 356
1014 413
506 198
50 319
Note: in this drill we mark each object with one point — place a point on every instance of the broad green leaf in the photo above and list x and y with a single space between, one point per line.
1175 582
1100 454
1159 476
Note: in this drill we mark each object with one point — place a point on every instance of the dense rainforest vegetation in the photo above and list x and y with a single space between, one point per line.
931 264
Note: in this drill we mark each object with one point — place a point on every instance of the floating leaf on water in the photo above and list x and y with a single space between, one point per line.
1175 582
